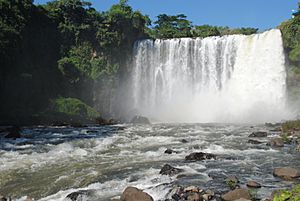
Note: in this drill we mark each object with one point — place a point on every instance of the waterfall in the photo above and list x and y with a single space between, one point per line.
233 78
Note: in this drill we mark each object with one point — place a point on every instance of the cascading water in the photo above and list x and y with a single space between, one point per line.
232 78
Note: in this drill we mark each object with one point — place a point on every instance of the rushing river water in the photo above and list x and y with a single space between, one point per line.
48 163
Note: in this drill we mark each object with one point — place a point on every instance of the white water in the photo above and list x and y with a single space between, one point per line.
233 78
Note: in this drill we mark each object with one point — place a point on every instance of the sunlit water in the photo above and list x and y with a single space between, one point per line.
51 162
234 78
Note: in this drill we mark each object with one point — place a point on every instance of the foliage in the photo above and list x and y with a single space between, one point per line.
172 26
288 195
245 31
291 37
290 126
205 31
73 106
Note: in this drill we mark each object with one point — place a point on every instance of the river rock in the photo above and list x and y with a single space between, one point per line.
135 194
191 189
140 120
242 199
276 142
259 134
2 198
237 194
78 195
232 181
286 173
199 156
194 197
170 151
254 142
169 170
253 184
184 141
14 132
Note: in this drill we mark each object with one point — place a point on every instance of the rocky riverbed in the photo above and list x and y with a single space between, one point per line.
160 161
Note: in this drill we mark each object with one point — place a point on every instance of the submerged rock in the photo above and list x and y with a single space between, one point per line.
236 194
232 181
199 156
169 170
135 194
253 184
276 142
170 151
254 142
259 134
77 196
140 120
286 173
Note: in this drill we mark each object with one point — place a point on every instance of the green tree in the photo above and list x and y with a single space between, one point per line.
172 26
205 31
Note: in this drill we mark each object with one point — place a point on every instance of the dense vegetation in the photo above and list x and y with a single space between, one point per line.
66 49
291 38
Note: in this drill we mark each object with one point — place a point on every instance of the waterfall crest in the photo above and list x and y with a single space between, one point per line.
232 78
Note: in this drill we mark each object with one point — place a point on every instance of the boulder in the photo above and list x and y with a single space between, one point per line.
199 156
253 184
254 142
232 181
170 151
2 198
259 134
184 141
276 142
169 170
78 195
237 194
286 173
194 197
14 132
242 199
140 120
191 189
135 194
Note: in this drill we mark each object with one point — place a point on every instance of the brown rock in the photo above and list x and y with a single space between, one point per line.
191 189
236 194
135 194
253 184
2 198
286 173
194 197
242 199
276 142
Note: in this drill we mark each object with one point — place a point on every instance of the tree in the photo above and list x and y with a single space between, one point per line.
172 26
205 31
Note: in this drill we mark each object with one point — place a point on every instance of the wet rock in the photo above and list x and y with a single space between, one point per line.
194 197
259 134
253 184
135 194
236 194
232 181
170 151
276 142
169 170
102 121
242 199
254 142
14 132
2 198
184 141
78 195
286 173
199 156
191 189
140 120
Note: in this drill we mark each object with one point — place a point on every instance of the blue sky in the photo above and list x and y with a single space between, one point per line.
262 14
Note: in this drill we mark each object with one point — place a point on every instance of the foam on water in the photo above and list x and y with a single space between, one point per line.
233 78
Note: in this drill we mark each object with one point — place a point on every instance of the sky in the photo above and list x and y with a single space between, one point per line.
262 14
